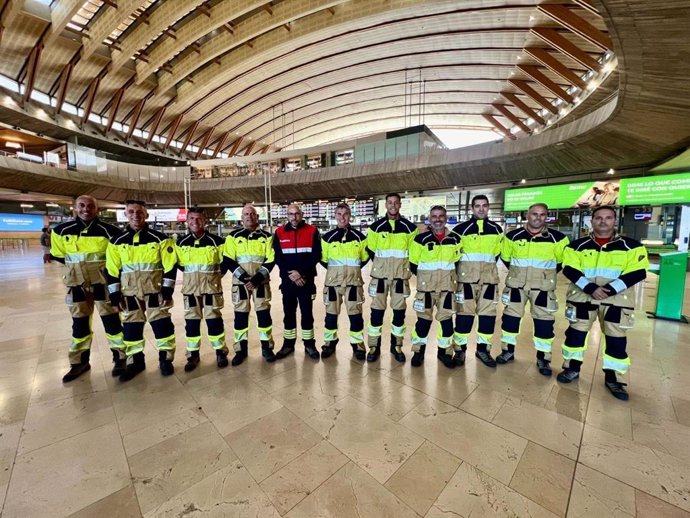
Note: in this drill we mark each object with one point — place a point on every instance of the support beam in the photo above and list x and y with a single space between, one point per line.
536 74
262 151
248 150
512 117
563 15
500 127
173 129
518 103
267 8
531 92
65 76
154 125
563 45
60 15
228 27
90 97
114 106
235 146
548 60
135 118
190 134
219 144
31 70
203 8
204 142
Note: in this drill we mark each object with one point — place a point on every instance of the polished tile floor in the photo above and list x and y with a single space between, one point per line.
335 438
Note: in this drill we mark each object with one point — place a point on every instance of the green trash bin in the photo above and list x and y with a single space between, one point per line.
669 298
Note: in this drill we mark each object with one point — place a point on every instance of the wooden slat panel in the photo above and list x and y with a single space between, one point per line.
500 127
563 15
512 117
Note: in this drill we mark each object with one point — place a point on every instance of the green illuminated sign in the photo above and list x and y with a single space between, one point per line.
583 195
656 190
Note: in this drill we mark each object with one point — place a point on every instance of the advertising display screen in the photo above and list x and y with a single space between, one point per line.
583 195
157 215
656 190
21 222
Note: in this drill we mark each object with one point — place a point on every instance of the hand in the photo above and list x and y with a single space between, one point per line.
296 277
250 286
600 293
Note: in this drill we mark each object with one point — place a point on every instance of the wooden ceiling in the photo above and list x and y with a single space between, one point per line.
254 76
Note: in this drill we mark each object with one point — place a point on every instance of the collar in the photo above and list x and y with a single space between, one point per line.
145 228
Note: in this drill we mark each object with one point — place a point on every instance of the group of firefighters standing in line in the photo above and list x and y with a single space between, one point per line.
129 277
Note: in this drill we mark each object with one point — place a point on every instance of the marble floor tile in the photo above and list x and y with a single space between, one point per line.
554 431
294 482
651 471
169 467
682 409
421 479
234 403
13 408
120 504
569 403
484 403
595 494
9 441
230 491
433 379
544 477
492 449
666 436
307 397
650 507
351 493
48 386
610 415
52 421
36 490
399 403
146 437
271 442
377 444
474 493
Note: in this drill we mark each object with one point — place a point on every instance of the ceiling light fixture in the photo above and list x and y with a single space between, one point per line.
611 171
13 145
523 181
26 206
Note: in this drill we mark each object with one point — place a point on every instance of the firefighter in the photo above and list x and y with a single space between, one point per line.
533 255
388 244
433 259
603 267
248 254
81 246
297 247
343 254
141 276
199 256
480 244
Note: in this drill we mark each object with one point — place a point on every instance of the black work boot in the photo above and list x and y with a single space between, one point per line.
240 355
287 349
311 350
445 357
327 349
134 367
507 355
165 365
543 365
359 353
459 358
77 369
417 359
119 364
398 355
567 376
221 359
267 351
616 388
485 357
192 361
374 352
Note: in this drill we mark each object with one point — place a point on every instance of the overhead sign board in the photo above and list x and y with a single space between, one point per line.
656 190
158 215
583 195
21 222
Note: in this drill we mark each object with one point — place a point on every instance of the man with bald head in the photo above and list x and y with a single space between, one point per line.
81 246
297 247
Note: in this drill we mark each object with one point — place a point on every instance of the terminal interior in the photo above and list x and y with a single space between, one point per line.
222 103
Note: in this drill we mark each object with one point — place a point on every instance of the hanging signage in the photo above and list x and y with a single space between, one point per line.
157 215
656 190
585 195
21 222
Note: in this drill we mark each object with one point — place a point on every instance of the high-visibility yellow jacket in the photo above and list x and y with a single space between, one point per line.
388 243
435 262
141 263
200 259
533 260
480 246
81 246
618 265
249 255
343 253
